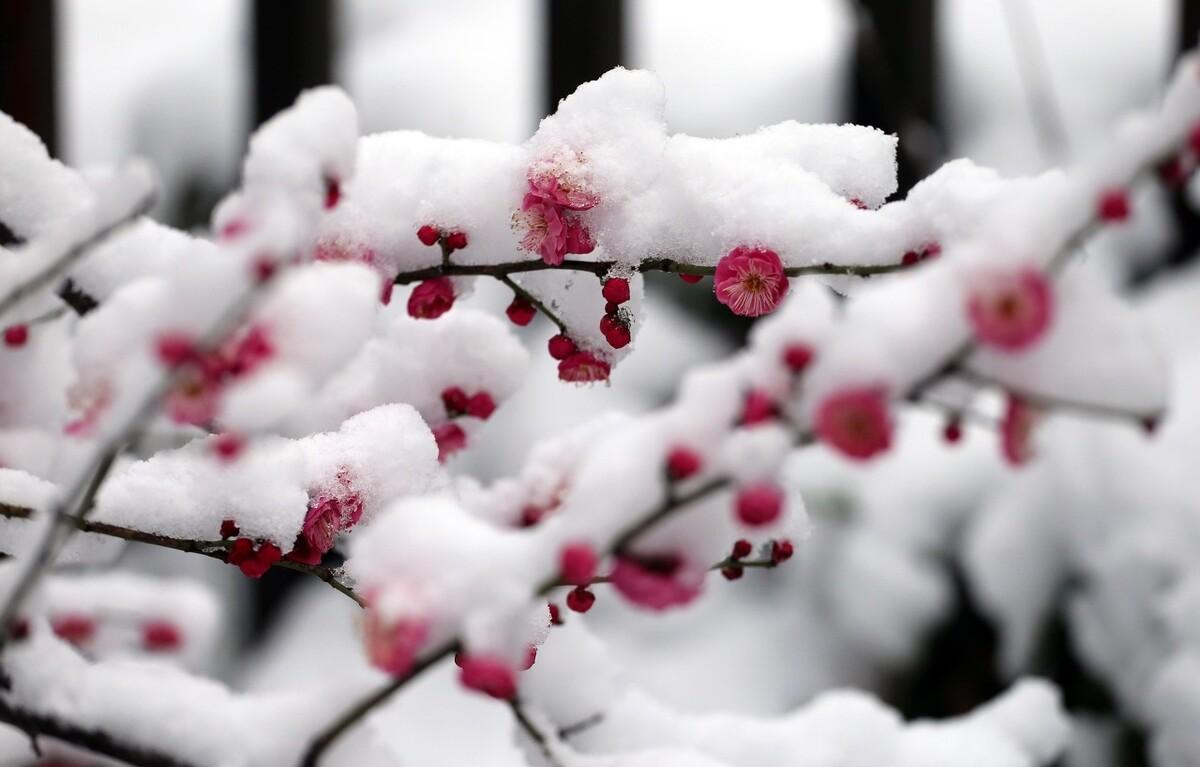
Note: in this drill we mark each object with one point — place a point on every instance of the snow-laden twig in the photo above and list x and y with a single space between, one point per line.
600 268
1045 401
75 251
214 549
105 744
55 534
536 735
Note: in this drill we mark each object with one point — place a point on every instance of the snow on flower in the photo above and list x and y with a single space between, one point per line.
562 180
332 510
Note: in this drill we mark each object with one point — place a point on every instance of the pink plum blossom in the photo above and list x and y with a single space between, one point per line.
750 281
1012 311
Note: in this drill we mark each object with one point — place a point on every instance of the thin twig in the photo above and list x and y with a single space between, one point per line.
600 268
73 253
537 303
214 549
364 706
95 741
533 732
573 729
57 530
1052 402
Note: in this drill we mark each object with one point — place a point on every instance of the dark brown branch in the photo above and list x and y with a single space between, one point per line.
95 741
534 300
214 549
364 706
600 268
582 725
533 732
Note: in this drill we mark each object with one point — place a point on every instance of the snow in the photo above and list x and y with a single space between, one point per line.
187 493
37 192
475 352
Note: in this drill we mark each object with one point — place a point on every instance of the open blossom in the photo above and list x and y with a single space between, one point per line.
856 422
545 230
194 398
550 233
657 582
392 645
196 394
1016 431
1011 311
561 191
750 281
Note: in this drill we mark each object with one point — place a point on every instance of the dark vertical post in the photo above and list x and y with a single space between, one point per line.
27 66
1189 24
584 39
895 79
1187 221
293 50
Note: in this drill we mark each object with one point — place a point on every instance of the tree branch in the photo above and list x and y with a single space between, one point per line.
537 302
95 741
57 530
214 549
533 732
1052 402
73 253
600 268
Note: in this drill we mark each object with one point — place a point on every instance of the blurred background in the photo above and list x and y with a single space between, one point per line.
1018 85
